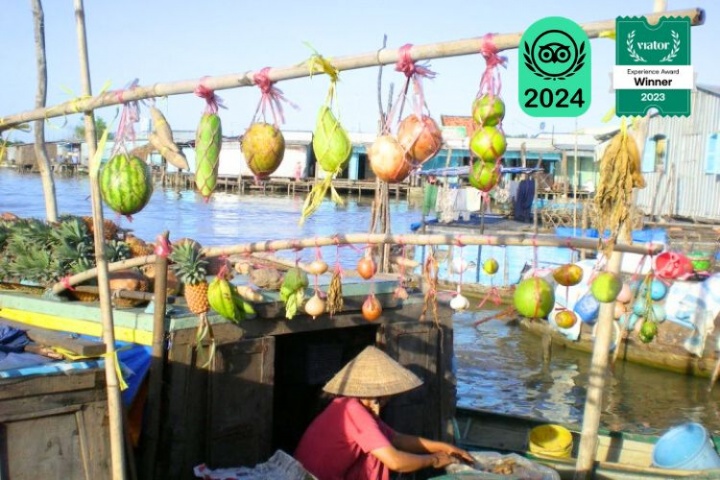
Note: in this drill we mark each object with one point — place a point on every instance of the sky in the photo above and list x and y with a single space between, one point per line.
172 40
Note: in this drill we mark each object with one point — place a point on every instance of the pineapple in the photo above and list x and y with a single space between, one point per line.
191 268
138 246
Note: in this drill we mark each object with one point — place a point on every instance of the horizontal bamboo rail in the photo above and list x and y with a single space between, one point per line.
351 62
520 240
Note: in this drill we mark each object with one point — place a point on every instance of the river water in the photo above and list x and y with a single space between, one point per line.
499 367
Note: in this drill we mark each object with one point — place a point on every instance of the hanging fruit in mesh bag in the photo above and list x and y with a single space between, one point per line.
418 137
488 110
488 143
484 175
263 144
208 142
125 180
331 143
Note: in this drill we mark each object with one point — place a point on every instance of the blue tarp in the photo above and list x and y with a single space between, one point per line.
15 363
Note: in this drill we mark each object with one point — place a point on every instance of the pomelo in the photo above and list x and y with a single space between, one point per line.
606 286
534 298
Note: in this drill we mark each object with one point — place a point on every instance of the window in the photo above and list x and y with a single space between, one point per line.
655 154
712 154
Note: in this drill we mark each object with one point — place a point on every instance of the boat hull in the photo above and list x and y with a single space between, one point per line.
620 455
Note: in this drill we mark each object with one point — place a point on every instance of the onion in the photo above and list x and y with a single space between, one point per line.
388 159
315 306
459 303
317 267
371 308
400 293
366 267
421 138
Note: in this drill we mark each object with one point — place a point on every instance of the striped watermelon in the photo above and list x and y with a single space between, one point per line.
126 184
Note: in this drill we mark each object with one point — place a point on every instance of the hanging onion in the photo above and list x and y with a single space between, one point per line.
315 306
317 267
371 308
366 267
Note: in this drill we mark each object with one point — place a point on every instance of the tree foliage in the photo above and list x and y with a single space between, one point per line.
100 127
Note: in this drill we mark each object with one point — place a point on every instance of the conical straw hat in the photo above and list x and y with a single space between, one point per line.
372 374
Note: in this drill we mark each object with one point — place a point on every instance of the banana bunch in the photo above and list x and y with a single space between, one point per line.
226 301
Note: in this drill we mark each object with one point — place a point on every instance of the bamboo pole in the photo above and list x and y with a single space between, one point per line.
299 70
152 429
115 414
526 240
603 337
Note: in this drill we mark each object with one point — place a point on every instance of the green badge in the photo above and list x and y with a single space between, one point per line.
555 77
652 66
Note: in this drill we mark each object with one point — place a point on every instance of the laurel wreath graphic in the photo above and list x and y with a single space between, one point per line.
676 48
533 67
631 48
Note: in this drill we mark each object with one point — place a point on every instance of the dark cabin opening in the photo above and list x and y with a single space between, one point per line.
304 362
362 166
310 163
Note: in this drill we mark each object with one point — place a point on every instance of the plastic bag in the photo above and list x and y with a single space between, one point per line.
506 466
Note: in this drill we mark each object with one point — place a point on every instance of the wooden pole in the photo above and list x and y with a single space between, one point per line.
151 432
41 156
115 412
520 239
471 46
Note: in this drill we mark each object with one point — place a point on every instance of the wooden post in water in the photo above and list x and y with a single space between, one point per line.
117 439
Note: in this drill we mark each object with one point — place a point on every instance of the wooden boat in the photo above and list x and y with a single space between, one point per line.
666 352
620 455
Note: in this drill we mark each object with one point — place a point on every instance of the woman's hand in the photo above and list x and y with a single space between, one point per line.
442 459
458 453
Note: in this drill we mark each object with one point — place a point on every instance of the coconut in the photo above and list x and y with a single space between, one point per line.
488 143
484 175
534 298
488 110
263 147
388 159
420 137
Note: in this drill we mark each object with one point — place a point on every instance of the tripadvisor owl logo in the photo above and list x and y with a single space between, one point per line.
554 55
554 74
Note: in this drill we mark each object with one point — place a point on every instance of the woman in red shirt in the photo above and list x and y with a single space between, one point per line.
348 441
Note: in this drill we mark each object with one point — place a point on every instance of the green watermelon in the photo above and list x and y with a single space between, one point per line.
126 184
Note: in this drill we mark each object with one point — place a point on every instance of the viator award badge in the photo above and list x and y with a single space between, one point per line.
653 67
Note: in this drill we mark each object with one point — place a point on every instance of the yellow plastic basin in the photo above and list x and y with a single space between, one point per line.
551 440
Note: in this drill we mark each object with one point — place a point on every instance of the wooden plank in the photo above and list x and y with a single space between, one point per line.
47 385
50 338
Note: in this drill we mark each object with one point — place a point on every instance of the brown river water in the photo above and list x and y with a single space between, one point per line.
499 367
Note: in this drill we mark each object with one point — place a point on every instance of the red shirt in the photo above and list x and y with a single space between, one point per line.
337 444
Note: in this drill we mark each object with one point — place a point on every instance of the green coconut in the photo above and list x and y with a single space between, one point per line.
331 143
488 143
534 298
488 110
263 147
484 175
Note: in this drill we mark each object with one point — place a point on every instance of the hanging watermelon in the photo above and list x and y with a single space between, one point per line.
126 184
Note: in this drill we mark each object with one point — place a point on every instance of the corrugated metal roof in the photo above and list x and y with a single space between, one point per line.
711 89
